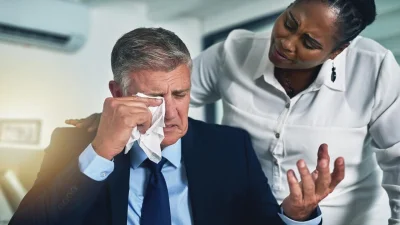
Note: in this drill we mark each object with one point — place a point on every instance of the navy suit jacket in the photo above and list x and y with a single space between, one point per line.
226 183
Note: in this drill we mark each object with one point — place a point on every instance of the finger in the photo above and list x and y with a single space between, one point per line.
306 179
93 127
79 124
323 152
144 126
134 103
72 122
128 102
147 101
76 122
294 187
83 123
324 177
87 122
314 175
338 173
129 109
152 102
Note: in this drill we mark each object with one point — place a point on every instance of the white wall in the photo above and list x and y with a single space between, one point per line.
243 13
53 86
386 29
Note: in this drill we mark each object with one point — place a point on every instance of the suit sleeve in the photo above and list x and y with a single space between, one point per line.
62 194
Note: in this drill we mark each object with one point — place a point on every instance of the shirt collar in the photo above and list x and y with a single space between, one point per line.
324 76
172 153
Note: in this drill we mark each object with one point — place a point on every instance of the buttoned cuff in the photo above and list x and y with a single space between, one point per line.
317 220
93 165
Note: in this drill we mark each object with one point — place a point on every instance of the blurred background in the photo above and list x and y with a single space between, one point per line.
55 63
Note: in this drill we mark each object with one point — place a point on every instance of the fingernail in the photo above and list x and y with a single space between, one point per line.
320 151
340 162
291 172
302 164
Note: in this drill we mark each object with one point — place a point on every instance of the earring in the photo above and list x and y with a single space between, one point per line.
333 75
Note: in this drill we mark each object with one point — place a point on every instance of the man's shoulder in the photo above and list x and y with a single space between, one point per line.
66 144
216 130
70 139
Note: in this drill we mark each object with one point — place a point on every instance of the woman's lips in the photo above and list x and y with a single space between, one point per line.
282 55
278 56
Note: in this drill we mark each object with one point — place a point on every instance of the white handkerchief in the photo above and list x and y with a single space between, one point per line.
151 140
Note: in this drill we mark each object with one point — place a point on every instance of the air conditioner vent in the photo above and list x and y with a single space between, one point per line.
34 34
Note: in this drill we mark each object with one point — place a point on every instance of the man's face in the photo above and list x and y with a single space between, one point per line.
174 86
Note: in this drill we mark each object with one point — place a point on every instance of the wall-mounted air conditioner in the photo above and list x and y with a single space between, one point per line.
55 24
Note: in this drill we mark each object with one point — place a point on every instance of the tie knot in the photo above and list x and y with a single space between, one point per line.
154 167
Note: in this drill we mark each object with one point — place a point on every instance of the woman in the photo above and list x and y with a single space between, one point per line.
312 81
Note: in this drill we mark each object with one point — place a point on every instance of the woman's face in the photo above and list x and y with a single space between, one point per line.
303 36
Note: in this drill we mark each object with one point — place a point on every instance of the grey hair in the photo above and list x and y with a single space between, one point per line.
154 49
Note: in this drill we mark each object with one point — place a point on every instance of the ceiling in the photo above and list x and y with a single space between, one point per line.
385 30
169 9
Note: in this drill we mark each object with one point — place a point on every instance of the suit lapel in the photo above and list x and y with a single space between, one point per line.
194 174
118 187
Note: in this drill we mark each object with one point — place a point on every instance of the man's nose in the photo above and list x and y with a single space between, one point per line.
170 108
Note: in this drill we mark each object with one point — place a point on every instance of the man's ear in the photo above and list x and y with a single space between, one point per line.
115 89
338 51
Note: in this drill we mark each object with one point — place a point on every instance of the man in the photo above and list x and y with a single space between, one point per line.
209 173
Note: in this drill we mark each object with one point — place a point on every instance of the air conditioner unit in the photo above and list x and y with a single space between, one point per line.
55 24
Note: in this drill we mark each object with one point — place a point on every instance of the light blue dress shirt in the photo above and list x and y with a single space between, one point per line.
98 168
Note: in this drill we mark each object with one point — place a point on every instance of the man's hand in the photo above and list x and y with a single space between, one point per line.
305 195
91 123
119 117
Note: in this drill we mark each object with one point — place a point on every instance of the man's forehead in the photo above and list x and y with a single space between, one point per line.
160 88
163 90
178 78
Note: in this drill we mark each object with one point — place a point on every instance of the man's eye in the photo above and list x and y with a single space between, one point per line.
180 95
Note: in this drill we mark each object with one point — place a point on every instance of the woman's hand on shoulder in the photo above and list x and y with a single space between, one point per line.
91 123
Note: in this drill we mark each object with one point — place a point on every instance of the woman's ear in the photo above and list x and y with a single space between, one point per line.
338 51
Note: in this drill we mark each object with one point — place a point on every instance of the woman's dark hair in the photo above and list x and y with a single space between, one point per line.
353 17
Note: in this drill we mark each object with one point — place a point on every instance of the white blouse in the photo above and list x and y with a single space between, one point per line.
358 116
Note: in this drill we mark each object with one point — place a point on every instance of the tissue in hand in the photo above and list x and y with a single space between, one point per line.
151 140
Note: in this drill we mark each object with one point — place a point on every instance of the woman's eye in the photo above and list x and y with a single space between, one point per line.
288 26
307 45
